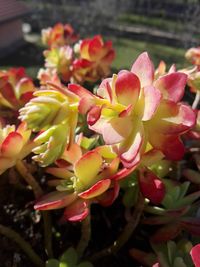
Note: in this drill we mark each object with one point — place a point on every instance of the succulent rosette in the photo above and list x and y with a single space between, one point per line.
48 75
15 144
60 59
194 81
59 35
51 143
83 71
88 178
124 140
16 88
173 254
169 254
193 55
54 113
95 58
135 113
96 50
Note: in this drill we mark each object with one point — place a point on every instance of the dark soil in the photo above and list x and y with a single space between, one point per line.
16 212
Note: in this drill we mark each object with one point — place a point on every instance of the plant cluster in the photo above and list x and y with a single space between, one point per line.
87 61
133 139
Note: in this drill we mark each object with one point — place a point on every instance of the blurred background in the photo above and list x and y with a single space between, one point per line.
163 28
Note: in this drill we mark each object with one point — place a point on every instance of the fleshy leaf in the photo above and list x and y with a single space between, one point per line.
145 258
110 195
192 175
106 152
62 173
54 200
105 90
129 150
192 225
96 190
122 173
116 130
144 69
12 144
77 211
167 232
195 254
151 186
127 88
172 85
80 91
93 115
172 118
170 145
87 168
69 258
72 154
8 93
148 102
95 46
151 157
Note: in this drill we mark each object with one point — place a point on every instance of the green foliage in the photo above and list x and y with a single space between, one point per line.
51 144
48 108
161 168
176 195
126 47
68 259
174 255
52 263
160 23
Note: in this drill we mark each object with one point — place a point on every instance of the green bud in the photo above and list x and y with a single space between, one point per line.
51 144
48 108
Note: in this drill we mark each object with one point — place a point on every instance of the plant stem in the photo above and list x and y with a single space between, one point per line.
126 233
47 233
155 210
24 245
21 168
85 236
38 192
196 100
